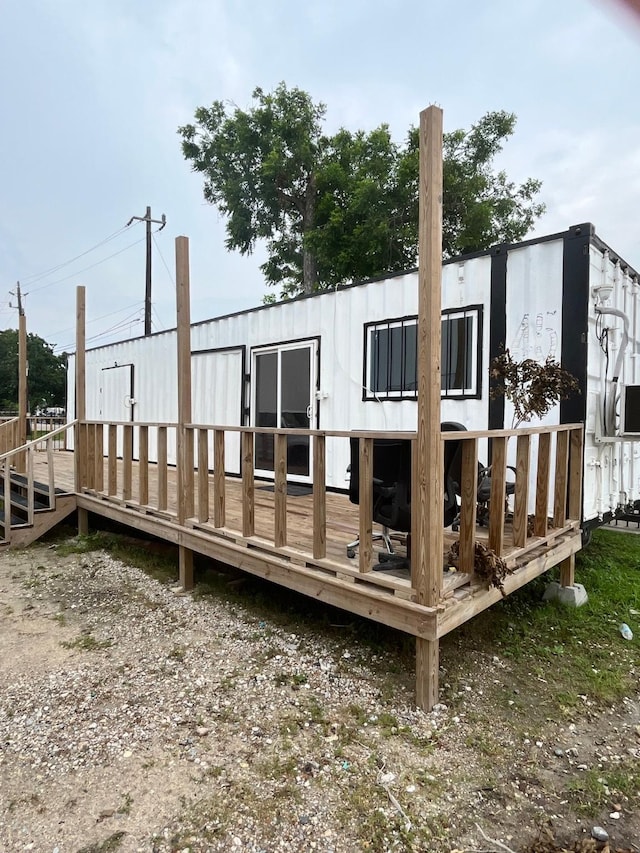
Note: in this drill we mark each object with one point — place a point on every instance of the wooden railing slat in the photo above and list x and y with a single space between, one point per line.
98 450
280 490
468 504
162 469
248 506
521 496
561 476
576 461
219 494
143 465
203 475
112 465
365 485
127 461
542 484
498 494
319 498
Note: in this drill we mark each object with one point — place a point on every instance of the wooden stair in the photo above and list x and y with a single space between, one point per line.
16 497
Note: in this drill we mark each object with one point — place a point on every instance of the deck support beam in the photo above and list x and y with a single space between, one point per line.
185 567
568 571
83 522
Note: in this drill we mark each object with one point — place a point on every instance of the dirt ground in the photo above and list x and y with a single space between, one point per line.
133 718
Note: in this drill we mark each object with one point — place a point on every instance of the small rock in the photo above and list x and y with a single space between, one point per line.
558 752
599 833
105 813
202 731
304 819
615 815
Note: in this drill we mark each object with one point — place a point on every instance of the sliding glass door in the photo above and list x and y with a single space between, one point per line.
284 384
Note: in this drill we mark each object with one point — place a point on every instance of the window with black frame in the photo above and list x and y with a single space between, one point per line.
391 356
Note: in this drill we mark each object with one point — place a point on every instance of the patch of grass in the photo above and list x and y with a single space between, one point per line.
86 643
596 789
556 654
110 844
157 559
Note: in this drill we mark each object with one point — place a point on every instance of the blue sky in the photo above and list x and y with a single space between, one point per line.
93 92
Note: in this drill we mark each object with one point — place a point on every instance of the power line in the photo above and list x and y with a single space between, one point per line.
116 327
84 269
159 325
95 319
163 261
38 276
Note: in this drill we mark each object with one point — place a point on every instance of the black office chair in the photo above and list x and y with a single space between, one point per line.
453 471
392 495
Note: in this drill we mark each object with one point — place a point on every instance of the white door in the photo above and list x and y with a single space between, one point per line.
216 398
116 400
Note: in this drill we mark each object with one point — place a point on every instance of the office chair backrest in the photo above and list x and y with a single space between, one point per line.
391 481
452 471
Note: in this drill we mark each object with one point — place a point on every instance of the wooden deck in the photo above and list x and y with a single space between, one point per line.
146 498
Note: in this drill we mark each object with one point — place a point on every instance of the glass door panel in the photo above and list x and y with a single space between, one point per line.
295 406
266 407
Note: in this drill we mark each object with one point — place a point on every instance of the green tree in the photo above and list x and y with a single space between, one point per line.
343 207
47 372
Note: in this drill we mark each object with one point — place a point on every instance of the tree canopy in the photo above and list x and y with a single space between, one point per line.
47 372
337 208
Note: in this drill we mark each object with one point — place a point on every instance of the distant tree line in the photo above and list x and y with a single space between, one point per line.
47 376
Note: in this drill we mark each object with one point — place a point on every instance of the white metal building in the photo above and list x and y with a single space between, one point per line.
346 359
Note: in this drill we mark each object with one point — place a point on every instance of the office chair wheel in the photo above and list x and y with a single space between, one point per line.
351 553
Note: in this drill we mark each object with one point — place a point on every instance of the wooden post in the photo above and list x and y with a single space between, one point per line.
20 459
568 570
184 401
428 492
80 448
185 567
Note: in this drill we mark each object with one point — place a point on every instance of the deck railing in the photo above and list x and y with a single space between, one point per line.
117 458
21 460
9 434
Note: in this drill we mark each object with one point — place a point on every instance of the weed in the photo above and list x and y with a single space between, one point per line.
125 808
177 653
109 845
86 643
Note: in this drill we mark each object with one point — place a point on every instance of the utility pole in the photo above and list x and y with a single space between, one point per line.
147 293
23 370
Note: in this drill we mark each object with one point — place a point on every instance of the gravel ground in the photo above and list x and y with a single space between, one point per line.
135 718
